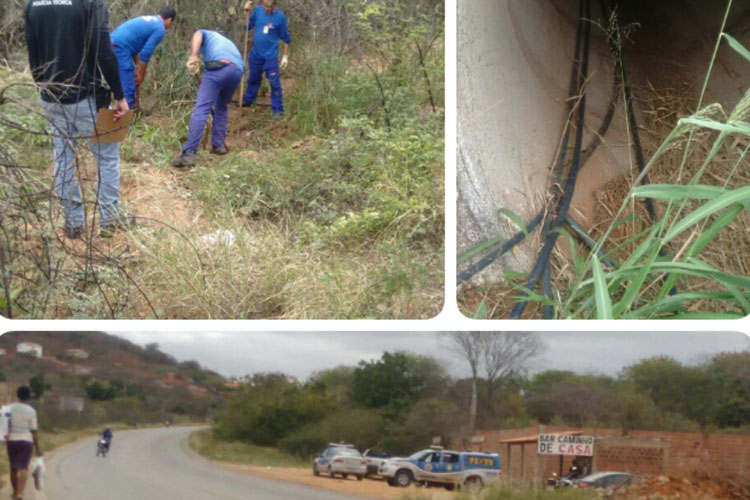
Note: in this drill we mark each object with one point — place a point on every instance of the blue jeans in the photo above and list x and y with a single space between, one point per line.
271 67
70 122
127 74
216 90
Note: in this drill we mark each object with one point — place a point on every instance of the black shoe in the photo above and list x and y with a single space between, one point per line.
122 223
73 233
218 150
186 159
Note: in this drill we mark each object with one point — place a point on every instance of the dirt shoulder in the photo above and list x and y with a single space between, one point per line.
368 488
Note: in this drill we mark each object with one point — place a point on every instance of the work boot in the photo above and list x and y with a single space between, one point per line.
122 223
73 233
218 150
186 159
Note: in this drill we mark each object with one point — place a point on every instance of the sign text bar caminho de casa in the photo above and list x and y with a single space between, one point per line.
565 444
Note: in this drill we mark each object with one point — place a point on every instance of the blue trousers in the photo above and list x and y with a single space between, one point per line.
71 122
271 67
216 90
127 74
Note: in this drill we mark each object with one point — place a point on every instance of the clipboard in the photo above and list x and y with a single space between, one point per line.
108 130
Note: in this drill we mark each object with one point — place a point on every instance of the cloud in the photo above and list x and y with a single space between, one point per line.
302 353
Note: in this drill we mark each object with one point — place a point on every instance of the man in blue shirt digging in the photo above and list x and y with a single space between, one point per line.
133 42
270 26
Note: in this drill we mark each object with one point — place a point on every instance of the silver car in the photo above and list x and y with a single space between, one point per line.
344 460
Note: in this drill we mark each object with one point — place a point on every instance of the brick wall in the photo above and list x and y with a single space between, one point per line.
645 452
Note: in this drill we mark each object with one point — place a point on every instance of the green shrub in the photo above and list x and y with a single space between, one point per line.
359 427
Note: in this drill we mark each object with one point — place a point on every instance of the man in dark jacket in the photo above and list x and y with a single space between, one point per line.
67 40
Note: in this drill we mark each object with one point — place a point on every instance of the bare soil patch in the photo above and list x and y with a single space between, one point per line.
368 488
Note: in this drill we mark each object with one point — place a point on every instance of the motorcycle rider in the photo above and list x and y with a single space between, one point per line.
107 436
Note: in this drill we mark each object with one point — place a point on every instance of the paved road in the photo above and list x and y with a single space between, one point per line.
156 464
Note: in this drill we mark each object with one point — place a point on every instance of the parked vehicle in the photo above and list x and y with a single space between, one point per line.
374 459
606 480
342 459
438 467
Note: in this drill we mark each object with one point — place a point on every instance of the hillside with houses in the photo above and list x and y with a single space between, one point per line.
87 378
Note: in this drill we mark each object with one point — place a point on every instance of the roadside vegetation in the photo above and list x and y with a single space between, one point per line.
403 400
334 212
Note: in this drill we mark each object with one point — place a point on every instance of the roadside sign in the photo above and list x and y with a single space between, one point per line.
565 444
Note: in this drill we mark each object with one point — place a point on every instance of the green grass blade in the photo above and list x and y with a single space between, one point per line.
469 253
673 192
737 46
741 195
706 237
515 218
603 301
481 312
635 286
734 127
673 303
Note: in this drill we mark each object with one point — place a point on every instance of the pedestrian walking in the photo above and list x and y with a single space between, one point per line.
134 42
21 440
224 70
270 26
69 86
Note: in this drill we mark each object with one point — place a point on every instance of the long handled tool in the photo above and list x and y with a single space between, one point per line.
209 123
246 24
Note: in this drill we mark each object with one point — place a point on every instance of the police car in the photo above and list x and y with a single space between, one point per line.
342 459
439 467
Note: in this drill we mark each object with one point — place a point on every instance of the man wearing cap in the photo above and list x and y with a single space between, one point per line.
224 70
134 41
270 26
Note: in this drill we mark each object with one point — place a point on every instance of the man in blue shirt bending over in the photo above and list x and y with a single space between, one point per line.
270 27
134 41
224 70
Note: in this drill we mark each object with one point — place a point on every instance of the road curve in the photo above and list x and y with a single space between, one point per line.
156 464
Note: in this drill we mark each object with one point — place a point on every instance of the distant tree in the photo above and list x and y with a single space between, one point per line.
336 381
576 399
689 391
100 390
2 377
391 383
506 354
498 355
38 386
468 345
269 408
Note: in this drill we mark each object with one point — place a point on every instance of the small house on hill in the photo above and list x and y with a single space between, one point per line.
30 348
77 354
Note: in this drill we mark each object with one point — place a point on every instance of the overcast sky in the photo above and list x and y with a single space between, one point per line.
302 353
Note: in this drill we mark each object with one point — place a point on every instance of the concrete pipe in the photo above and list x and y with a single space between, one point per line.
514 64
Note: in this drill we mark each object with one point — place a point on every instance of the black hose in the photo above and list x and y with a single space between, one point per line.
521 235
551 236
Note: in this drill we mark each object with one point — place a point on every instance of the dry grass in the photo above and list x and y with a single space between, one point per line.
730 250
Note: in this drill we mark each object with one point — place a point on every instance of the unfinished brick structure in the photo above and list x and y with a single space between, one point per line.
643 452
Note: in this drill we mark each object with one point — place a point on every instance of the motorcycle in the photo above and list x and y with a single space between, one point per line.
102 447
565 480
